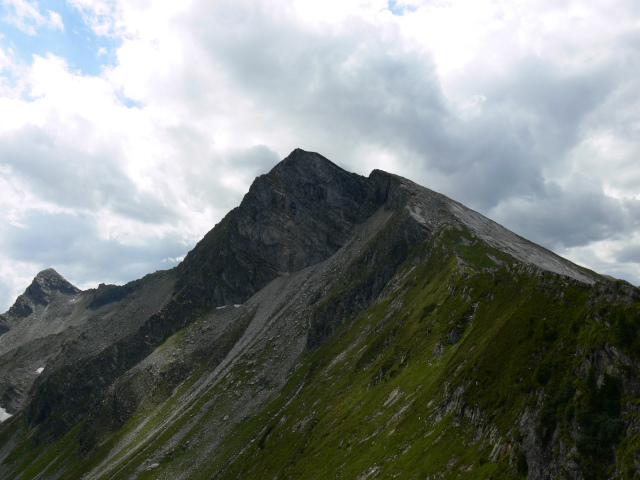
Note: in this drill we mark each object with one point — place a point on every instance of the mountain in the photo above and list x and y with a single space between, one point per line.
331 326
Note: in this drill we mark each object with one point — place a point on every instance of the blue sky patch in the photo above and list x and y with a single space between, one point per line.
399 10
83 50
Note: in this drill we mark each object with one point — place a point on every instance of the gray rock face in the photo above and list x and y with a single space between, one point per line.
26 320
40 291
305 209
297 215
432 211
70 327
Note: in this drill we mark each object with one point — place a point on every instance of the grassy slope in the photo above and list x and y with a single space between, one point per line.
386 407
390 394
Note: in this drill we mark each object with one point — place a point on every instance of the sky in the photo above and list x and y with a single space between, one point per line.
129 128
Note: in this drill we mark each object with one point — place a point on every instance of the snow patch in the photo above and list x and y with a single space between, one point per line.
238 305
4 415
220 308
40 370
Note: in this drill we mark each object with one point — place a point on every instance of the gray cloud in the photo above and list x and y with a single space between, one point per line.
630 253
73 178
569 218
551 101
349 88
204 171
353 89
72 245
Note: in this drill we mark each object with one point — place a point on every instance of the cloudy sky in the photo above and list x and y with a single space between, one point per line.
128 128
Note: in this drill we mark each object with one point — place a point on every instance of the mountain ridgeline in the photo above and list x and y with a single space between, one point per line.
331 326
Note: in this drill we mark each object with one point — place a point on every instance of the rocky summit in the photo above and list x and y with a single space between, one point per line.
330 326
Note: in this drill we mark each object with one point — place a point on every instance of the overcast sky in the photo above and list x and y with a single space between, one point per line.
128 128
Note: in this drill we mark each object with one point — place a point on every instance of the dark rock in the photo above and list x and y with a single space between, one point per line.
40 291
368 278
20 308
454 335
3 325
106 294
297 215
66 396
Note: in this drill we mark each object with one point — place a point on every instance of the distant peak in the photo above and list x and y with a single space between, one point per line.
49 273
39 292
52 279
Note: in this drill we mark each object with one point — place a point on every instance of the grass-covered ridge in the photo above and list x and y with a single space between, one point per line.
437 377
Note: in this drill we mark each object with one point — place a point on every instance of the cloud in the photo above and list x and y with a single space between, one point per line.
57 239
101 191
55 20
334 92
353 88
103 17
630 253
566 218
26 16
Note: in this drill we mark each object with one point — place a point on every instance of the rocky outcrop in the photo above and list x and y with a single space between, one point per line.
40 291
71 329
106 294
297 215
67 395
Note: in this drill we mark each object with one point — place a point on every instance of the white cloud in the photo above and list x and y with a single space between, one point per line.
173 260
26 16
55 20
331 12
103 16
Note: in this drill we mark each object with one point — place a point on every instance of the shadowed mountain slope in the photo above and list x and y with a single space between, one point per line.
297 215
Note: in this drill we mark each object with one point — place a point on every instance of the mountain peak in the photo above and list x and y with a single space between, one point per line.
39 292
308 165
49 278
48 274
298 214
305 209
